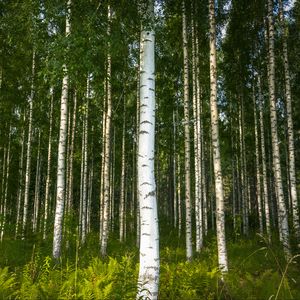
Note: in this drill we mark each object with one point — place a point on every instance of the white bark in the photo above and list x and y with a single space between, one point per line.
188 217
37 186
28 152
149 239
71 155
263 159
290 126
20 190
282 211
85 167
197 145
106 183
4 204
179 197
122 192
49 160
174 173
220 213
258 174
60 188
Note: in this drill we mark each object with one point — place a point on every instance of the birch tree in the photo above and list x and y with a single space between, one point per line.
149 235
106 157
282 211
60 185
49 160
290 126
220 213
187 163
28 151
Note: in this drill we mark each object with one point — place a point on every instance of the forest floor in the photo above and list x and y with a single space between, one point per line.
257 270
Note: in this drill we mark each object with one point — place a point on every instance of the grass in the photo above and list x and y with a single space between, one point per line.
257 270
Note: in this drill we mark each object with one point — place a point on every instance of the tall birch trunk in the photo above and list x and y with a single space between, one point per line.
4 204
263 159
282 211
188 217
71 155
122 192
28 152
220 212
49 160
60 188
106 167
258 174
197 145
174 172
149 239
85 166
20 189
37 187
290 126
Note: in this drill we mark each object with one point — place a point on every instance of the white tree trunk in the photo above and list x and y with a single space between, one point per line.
4 205
28 152
122 192
106 183
20 190
49 160
149 239
220 212
179 196
197 145
85 167
282 211
60 188
37 187
258 174
174 172
263 159
290 126
71 156
188 217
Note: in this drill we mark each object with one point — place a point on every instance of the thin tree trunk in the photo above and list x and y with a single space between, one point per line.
37 187
243 171
220 210
122 192
85 166
188 217
174 173
106 183
60 189
20 190
197 145
4 207
263 159
71 156
179 196
28 153
49 161
282 212
149 240
258 174
290 126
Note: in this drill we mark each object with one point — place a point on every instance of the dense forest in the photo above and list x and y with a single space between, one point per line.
149 149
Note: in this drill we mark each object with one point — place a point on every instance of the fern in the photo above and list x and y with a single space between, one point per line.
7 284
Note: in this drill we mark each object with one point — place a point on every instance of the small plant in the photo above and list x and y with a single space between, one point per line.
7 284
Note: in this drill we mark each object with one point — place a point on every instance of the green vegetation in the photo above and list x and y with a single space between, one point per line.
257 270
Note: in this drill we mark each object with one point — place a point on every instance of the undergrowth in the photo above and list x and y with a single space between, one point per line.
257 271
